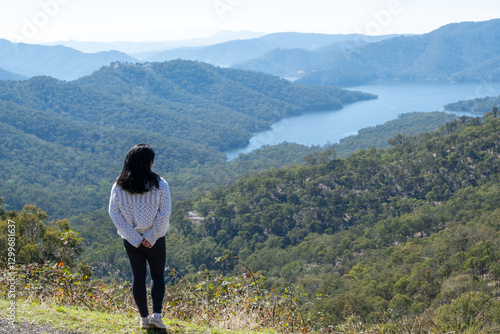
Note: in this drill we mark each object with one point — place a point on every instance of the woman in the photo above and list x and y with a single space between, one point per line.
139 206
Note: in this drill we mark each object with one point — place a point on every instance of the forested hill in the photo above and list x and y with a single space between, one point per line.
467 51
216 92
482 105
6 75
61 136
406 228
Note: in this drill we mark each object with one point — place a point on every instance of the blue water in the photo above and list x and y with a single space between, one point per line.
394 98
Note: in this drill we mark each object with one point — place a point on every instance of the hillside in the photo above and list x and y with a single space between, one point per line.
57 61
406 228
289 154
237 51
409 124
6 75
380 241
95 231
296 62
462 52
61 319
481 105
61 135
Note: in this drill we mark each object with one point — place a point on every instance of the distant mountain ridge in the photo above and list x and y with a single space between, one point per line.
296 62
66 63
7 75
237 51
146 47
59 61
466 51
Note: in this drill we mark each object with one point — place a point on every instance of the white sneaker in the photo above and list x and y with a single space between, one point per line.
156 322
145 322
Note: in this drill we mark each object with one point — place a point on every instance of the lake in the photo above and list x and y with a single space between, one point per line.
394 98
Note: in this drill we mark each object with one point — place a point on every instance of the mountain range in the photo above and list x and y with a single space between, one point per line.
65 63
232 52
467 51
57 61
297 62
137 49
459 52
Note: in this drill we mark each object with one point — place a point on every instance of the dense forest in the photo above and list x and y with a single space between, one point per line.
97 227
409 124
60 135
479 105
404 231
407 228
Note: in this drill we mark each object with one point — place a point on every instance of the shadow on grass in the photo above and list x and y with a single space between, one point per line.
156 331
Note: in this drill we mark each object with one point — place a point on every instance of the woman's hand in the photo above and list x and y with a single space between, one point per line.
146 243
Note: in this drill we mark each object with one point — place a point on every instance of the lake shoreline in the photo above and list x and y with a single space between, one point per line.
394 98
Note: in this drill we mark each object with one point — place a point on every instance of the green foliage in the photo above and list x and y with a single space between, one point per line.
104 251
482 105
50 317
405 229
58 283
472 312
277 156
240 302
408 124
35 240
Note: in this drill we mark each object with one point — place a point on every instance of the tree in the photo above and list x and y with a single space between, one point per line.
323 157
479 258
38 241
397 140
472 309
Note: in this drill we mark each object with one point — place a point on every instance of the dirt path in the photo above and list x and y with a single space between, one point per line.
24 327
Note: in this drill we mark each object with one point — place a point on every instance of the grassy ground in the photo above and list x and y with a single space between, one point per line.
81 320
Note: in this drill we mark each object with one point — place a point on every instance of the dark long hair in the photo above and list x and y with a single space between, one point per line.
136 176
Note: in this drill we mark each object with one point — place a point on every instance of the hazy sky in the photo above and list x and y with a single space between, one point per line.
135 20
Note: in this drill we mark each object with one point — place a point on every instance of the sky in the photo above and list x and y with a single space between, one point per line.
38 21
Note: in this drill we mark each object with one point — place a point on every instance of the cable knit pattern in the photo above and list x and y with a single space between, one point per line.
141 216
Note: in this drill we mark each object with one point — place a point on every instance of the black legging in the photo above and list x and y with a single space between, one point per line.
156 257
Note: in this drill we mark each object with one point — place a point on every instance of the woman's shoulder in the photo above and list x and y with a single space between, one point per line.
115 187
162 184
118 190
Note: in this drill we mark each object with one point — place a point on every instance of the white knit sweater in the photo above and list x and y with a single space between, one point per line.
141 216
